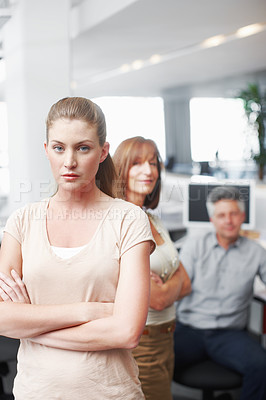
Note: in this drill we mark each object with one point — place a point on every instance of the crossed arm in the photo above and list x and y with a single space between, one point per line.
165 294
77 326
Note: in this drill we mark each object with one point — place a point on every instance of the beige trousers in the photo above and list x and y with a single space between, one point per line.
155 359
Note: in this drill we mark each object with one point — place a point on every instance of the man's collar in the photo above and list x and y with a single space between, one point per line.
215 242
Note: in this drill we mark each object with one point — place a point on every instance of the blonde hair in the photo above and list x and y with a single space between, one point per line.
84 109
124 157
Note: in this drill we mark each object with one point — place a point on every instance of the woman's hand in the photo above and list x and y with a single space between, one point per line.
13 289
155 278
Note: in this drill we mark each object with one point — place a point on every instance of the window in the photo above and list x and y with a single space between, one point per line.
4 178
219 129
133 116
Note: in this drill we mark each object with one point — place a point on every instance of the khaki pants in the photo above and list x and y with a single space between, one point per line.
155 359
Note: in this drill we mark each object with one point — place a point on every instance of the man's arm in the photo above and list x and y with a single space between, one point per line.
186 287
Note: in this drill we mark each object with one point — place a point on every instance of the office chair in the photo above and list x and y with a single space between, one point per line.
8 352
208 376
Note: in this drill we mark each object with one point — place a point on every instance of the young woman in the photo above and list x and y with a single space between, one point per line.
138 164
84 260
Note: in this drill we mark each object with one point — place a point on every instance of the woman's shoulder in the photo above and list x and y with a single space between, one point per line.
130 223
24 218
126 206
30 209
126 213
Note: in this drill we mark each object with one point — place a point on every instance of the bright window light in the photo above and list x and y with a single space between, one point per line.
3 130
4 177
133 116
219 125
2 71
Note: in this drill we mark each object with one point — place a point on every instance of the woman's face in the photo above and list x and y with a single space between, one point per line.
74 153
143 174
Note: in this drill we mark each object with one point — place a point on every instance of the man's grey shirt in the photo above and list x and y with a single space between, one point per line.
222 281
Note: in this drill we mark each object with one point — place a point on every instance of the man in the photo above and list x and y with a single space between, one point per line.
222 266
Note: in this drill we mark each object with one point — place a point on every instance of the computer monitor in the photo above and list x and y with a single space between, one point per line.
195 212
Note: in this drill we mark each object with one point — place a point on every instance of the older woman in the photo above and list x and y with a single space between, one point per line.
138 165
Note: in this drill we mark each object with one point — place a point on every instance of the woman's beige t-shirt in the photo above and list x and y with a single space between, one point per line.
46 373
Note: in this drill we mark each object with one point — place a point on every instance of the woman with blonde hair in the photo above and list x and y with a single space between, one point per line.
74 278
138 165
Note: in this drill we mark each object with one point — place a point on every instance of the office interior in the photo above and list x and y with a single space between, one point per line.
170 49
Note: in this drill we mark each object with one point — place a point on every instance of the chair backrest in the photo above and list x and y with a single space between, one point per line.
8 349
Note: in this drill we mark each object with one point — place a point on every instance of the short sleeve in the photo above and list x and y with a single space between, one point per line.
135 228
13 225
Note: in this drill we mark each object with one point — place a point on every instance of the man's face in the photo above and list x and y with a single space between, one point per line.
227 220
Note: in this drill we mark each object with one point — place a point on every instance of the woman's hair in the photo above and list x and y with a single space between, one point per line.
124 157
84 109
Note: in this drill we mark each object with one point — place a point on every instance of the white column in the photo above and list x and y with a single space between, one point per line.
37 54
177 130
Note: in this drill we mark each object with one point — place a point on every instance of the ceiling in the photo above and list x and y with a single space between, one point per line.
103 40
107 34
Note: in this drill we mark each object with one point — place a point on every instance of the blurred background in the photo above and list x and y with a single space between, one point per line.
170 70
191 75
